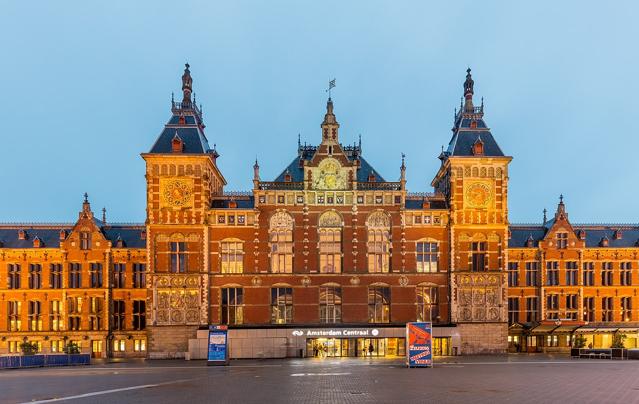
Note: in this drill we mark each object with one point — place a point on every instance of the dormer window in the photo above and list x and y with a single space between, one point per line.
582 234
63 235
604 242
473 124
177 145
85 240
562 240
232 204
530 243
22 235
37 243
182 120
119 243
288 177
371 177
618 234
143 235
478 148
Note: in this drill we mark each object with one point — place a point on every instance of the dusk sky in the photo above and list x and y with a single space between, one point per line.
87 88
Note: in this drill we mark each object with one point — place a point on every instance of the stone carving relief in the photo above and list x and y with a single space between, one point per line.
378 219
178 300
479 297
330 219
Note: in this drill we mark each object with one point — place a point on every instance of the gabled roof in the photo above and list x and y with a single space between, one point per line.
519 235
462 143
49 234
192 136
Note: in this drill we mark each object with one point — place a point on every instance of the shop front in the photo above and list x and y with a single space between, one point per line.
355 347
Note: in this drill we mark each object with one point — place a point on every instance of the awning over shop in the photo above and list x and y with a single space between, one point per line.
565 329
543 329
585 330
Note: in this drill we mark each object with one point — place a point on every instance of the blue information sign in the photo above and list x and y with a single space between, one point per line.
419 352
218 345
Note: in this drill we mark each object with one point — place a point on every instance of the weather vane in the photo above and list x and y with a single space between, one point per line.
331 84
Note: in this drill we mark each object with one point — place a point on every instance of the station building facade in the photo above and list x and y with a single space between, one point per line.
326 259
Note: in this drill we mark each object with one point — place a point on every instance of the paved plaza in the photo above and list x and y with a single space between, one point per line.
517 379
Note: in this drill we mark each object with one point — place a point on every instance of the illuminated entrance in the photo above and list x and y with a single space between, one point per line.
355 347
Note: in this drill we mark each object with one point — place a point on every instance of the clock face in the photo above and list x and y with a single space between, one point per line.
478 195
177 193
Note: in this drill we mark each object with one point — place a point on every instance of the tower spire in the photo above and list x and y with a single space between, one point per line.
468 91
187 86
330 125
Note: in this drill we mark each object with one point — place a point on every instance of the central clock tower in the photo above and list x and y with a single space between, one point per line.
182 178
474 178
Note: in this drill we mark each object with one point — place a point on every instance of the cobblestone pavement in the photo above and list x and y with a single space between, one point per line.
486 379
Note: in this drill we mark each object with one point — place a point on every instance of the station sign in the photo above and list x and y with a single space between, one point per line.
419 338
335 332
218 353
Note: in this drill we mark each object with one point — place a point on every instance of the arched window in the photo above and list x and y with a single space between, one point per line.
231 256
330 303
330 242
427 307
378 304
378 228
281 242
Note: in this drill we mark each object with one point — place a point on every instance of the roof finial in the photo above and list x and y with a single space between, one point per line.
103 215
468 91
561 198
331 85
187 86
299 141
86 198
545 218
360 142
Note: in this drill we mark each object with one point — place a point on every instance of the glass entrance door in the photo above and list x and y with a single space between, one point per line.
371 347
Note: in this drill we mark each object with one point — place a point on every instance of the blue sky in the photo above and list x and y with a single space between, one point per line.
87 85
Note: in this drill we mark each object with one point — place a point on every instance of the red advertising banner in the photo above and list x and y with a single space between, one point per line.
419 337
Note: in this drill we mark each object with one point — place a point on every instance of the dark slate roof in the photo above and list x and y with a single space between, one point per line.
594 234
418 203
242 202
463 140
307 153
131 235
49 234
193 137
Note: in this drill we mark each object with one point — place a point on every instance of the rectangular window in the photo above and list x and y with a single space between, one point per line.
513 310
95 274
85 240
118 315
427 303
572 273
281 251
75 275
57 346
281 305
552 340
14 276
232 257
626 308
532 273
330 304
14 311
96 306
119 274
562 240
572 308
589 274
427 257
35 315
139 345
330 250
55 315
552 273
55 276
378 251
532 309
589 309
378 304
606 274
178 257
139 314
139 275
119 345
478 263
35 276
606 309
74 307
232 306
513 274
626 274
552 306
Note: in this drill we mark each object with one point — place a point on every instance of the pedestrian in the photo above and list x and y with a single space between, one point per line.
364 351
371 349
315 351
